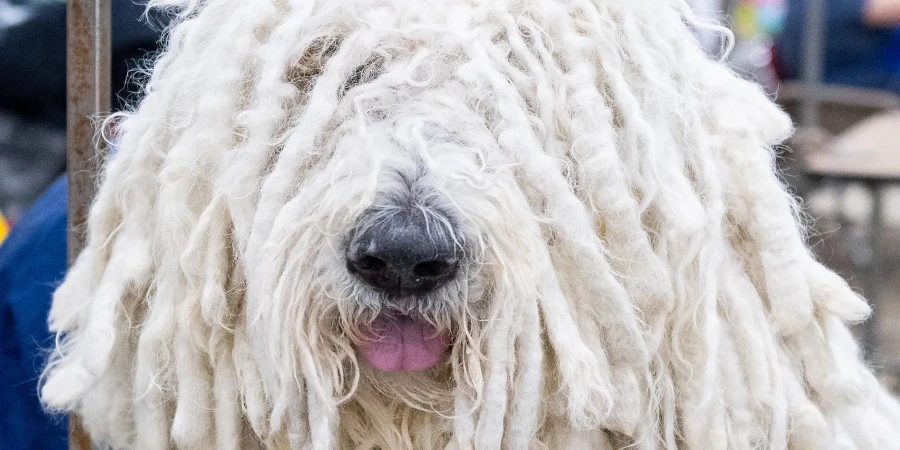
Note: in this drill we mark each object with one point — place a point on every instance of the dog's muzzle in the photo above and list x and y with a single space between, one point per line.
404 255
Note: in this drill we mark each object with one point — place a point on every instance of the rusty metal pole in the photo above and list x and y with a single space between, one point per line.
88 92
814 34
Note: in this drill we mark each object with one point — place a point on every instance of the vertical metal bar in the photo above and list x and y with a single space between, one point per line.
813 60
88 92
873 275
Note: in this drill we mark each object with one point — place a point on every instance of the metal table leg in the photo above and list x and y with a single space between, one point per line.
873 274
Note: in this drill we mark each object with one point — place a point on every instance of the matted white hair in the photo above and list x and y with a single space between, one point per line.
637 275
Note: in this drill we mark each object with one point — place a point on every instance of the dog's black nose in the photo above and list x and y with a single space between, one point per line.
404 254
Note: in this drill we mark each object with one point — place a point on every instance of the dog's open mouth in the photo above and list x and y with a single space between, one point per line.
400 343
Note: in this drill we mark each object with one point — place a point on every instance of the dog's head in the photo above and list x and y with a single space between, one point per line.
413 223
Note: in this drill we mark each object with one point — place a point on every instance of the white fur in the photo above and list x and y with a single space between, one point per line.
634 274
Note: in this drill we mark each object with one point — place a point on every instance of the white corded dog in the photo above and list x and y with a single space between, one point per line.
454 224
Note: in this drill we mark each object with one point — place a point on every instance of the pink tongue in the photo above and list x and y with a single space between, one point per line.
402 344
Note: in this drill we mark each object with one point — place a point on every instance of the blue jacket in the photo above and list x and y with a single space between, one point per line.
855 54
32 264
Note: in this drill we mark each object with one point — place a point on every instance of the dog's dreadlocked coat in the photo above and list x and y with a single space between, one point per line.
632 272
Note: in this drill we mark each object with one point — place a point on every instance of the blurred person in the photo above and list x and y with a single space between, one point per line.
33 257
861 39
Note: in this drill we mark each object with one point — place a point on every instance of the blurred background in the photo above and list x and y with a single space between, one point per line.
834 65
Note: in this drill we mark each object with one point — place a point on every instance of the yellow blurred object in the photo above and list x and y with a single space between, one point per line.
745 24
4 228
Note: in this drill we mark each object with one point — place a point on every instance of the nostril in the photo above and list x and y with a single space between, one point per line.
434 268
369 263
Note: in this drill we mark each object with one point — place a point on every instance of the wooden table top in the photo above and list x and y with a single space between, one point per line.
869 150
